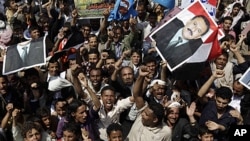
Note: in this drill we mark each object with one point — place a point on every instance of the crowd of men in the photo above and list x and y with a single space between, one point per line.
103 81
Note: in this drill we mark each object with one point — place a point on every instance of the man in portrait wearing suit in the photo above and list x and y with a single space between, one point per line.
27 53
177 42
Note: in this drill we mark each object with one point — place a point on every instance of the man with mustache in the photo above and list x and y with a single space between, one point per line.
181 40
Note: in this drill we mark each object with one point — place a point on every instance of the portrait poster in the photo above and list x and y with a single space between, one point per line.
245 79
184 50
24 55
92 8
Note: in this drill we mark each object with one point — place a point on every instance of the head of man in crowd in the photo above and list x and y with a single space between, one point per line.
221 60
223 98
95 76
195 27
114 132
153 115
227 23
108 97
93 41
127 75
53 67
85 29
31 131
158 89
34 32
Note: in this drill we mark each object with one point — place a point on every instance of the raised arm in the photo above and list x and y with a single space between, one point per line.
237 54
138 87
84 82
203 90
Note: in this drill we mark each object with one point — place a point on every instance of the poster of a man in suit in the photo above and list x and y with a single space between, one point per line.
24 55
180 37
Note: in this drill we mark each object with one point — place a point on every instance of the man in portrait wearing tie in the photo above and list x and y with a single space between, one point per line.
177 41
26 54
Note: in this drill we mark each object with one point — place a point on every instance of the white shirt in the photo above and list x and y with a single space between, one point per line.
139 132
112 116
177 35
20 47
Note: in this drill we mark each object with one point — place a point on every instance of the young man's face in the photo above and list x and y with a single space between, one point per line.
194 29
115 136
147 117
53 69
93 43
109 62
3 86
151 67
60 108
46 121
85 31
108 99
95 78
33 135
235 11
81 114
221 62
158 91
13 5
35 34
227 24
93 58
207 137
221 103
69 136
117 35
135 58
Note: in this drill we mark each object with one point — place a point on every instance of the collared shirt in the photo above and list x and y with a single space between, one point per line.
139 132
210 113
112 116
177 35
21 46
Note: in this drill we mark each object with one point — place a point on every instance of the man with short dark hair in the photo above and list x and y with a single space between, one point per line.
31 132
217 115
149 125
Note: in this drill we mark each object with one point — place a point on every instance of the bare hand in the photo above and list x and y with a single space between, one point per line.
212 125
9 107
132 20
104 55
218 73
74 14
191 109
83 80
143 71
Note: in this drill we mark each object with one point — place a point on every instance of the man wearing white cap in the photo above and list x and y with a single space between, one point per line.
156 91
